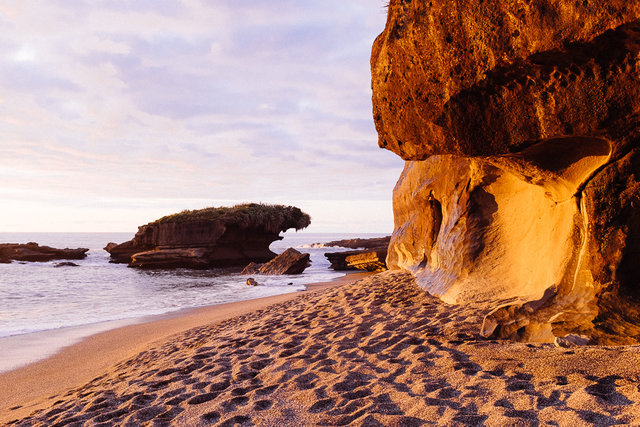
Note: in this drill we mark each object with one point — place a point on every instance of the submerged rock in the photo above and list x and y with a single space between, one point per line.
212 237
366 259
290 261
521 137
32 252
66 264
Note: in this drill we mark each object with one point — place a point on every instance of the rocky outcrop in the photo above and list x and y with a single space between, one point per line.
365 259
487 77
212 237
290 261
32 252
519 125
372 243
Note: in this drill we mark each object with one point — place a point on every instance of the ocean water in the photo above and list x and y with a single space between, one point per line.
38 297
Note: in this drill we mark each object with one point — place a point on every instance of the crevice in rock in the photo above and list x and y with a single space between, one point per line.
436 218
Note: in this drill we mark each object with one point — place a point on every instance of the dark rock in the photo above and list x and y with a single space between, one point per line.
290 261
252 282
252 268
365 259
66 264
373 243
32 252
212 237
171 258
121 253
523 144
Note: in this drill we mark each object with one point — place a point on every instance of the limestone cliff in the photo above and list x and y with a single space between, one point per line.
212 237
519 122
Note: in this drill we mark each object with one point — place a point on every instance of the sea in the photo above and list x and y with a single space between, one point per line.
44 308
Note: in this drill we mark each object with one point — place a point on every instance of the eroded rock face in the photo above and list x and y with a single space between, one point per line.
212 237
485 77
373 259
519 124
290 261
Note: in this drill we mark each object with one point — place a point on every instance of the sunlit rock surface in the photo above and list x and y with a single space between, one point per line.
290 261
211 237
372 259
519 123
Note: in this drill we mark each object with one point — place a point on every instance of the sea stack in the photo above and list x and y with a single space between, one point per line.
521 190
211 237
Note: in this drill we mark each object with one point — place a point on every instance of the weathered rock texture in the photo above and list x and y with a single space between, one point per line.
365 259
212 237
519 122
35 253
290 261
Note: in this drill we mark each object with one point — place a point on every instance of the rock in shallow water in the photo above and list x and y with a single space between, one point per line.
33 252
290 261
357 243
212 237
66 264
521 124
365 259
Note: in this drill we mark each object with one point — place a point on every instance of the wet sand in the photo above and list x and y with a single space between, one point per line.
375 352
77 364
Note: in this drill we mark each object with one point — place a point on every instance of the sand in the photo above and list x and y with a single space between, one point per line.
379 351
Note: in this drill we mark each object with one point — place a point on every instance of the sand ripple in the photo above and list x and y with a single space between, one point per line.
376 352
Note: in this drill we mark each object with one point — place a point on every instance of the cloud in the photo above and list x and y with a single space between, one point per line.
176 100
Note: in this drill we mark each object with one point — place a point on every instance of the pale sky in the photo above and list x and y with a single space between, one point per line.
116 112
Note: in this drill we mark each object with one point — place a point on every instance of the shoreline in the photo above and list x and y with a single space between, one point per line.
30 384
375 351
43 344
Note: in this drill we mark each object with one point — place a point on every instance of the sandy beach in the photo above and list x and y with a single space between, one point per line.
77 364
377 351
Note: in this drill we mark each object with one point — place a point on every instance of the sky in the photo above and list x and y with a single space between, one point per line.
114 113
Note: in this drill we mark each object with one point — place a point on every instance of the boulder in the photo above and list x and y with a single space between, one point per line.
211 237
290 261
365 259
252 268
520 130
33 252
252 282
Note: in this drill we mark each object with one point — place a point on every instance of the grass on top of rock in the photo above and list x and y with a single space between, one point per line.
273 217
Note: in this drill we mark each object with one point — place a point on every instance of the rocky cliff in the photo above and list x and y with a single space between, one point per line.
212 237
519 124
